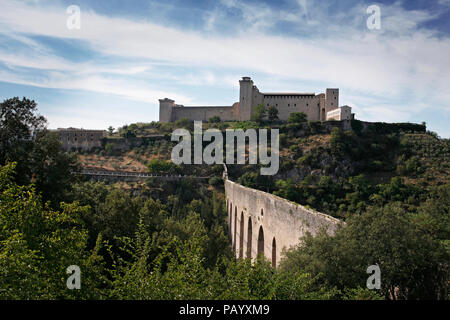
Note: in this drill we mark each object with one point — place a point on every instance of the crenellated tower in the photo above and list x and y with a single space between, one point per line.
165 109
245 98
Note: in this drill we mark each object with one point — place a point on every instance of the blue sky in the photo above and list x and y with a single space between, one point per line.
129 54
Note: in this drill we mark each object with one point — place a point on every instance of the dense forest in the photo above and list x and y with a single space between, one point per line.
169 239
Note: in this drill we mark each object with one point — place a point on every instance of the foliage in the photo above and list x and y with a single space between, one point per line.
38 244
412 261
272 113
215 119
297 117
259 113
36 151
157 166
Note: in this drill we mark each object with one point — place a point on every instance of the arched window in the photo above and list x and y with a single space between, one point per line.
260 242
241 237
249 238
274 253
262 212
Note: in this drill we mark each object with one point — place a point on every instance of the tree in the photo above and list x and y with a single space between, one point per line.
259 113
215 119
110 130
18 124
412 261
157 166
37 152
38 244
297 117
272 113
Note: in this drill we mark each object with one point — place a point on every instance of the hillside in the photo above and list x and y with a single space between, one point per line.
322 166
168 237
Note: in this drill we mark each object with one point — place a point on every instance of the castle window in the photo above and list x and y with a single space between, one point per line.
289 105
307 105
295 104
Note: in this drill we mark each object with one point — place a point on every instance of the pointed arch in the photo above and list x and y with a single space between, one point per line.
234 229
249 238
230 221
274 253
241 237
260 242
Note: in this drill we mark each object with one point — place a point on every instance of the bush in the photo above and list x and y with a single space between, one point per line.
215 119
297 117
215 181
156 166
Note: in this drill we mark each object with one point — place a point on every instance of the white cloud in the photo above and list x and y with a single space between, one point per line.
399 62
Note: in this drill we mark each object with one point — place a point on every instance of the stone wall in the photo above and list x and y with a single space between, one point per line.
203 113
260 222
287 104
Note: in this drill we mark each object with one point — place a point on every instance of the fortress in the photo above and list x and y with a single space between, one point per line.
320 107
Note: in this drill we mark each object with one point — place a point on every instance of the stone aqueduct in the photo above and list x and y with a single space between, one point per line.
261 223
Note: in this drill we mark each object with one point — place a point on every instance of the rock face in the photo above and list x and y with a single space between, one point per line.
261 223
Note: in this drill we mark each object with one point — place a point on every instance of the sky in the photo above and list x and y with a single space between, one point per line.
126 55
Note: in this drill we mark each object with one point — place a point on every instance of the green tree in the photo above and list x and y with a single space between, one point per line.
215 119
110 130
158 166
411 260
38 244
297 117
259 113
37 152
272 113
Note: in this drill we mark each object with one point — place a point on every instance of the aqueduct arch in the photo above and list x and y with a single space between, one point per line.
260 241
268 224
249 237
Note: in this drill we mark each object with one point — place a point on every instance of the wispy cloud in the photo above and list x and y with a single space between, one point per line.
399 63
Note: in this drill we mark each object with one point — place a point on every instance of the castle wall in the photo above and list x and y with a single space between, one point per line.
282 222
203 113
287 104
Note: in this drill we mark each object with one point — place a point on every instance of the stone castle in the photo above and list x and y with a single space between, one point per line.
320 107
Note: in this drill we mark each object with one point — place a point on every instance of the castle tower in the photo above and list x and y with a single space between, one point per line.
245 98
332 100
165 109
